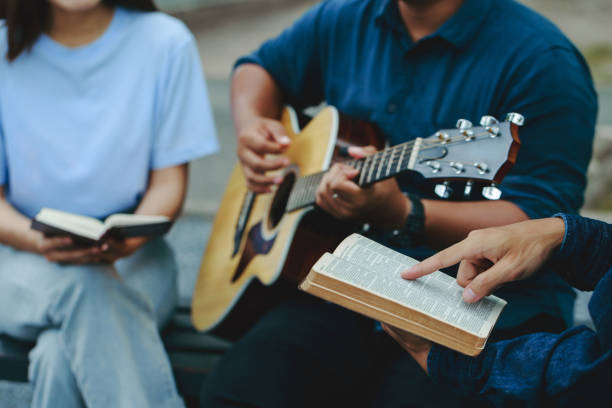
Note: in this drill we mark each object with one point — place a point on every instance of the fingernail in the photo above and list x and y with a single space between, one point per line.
284 140
278 180
355 151
469 295
104 247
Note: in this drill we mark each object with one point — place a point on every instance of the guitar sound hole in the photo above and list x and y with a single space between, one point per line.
281 197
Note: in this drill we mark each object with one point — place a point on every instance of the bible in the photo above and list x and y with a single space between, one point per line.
89 230
364 276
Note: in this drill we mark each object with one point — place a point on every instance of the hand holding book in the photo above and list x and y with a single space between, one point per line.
85 240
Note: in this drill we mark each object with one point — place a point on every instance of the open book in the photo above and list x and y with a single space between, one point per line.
92 231
364 276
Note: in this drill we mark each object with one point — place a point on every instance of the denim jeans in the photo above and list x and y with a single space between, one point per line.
96 327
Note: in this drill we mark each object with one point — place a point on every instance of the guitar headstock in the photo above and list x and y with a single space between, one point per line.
474 154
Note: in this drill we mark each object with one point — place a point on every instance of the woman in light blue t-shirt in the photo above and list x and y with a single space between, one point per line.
102 105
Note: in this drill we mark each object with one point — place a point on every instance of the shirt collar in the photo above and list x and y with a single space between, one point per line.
458 30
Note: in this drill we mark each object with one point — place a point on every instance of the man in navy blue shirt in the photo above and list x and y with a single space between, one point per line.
410 67
544 369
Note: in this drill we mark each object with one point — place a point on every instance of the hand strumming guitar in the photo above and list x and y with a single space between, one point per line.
262 137
382 203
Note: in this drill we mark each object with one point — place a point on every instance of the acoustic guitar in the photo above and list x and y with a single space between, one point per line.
266 236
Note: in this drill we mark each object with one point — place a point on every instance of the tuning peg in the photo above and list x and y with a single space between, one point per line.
443 190
491 192
482 167
459 167
516 118
435 166
488 120
493 131
443 136
467 191
469 134
464 124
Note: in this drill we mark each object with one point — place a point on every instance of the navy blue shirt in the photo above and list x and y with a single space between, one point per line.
570 369
491 57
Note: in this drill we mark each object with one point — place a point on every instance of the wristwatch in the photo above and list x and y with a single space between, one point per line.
413 231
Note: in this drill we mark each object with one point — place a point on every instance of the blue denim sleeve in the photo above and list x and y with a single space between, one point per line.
586 253
567 368
294 58
534 370
555 93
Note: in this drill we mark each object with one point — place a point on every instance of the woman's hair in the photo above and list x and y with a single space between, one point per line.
26 20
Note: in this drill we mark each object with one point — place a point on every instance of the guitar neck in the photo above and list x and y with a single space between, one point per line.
374 168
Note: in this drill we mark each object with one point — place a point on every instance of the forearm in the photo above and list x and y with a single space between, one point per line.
254 94
448 222
166 192
15 228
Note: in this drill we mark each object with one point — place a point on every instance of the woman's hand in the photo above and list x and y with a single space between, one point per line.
63 250
494 256
113 249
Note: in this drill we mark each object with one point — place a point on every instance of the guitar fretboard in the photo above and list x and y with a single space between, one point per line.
376 167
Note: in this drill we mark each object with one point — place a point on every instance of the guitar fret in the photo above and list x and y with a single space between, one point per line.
379 164
390 161
399 163
371 168
364 170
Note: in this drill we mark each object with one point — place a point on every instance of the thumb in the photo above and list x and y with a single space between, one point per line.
486 282
277 132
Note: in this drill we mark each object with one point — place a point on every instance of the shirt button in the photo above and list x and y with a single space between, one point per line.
391 108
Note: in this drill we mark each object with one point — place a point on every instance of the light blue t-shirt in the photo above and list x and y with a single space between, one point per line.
80 128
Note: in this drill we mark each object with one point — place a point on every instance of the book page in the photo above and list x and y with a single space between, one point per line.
77 224
371 266
126 220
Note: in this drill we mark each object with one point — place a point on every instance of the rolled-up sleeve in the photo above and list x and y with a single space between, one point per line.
554 92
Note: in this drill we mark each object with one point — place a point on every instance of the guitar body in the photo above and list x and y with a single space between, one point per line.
273 243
